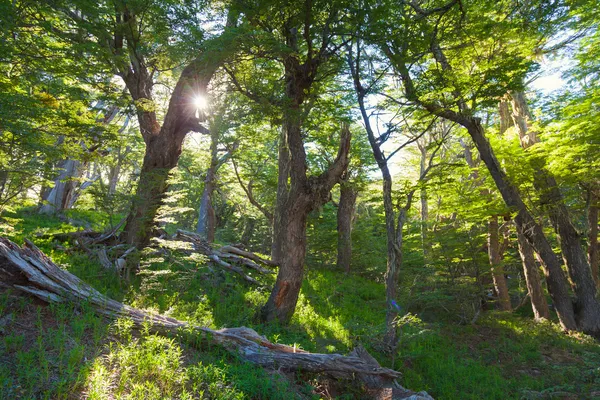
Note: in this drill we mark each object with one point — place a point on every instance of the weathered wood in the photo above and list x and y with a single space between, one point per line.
104 258
247 254
224 259
248 263
382 389
215 258
29 270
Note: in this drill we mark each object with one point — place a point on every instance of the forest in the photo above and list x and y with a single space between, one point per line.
311 199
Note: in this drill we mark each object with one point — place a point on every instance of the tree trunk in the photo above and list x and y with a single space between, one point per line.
345 215
59 197
151 190
592 217
163 143
394 252
555 277
425 242
113 178
206 218
521 118
530 269
163 146
248 231
284 296
496 264
506 120
575 258
204 212
532 278
3 180
587 306
279 215
305 195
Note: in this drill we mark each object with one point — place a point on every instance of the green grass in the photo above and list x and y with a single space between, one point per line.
66 351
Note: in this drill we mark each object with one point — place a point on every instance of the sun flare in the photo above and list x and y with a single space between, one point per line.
200 102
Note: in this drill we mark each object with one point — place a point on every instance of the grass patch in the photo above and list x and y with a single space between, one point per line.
59 351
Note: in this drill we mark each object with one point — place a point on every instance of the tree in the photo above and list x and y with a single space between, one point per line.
459 104
206 225
45 108
394 225
135 48
301 38
345 216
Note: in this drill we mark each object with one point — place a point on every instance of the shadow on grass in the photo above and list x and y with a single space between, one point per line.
61 351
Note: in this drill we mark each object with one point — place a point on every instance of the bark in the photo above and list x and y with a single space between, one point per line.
284 296
575 258
345 215
248 255
28 270
206 224
206 215
394 251
532 278
3 180
506 120
151 190
113 177
521 117
226 256
283 188
530 269
425 242
555 277
163 147
496 264
593 257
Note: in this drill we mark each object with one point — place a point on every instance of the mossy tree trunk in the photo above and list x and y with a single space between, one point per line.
163 143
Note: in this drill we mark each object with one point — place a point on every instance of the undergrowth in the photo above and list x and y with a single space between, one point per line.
65 351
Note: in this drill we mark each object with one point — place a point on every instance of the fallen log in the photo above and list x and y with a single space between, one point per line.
224 259
215 258
94 243
29 270
247 254
244 261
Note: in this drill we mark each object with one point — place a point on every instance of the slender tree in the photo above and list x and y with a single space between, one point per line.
459 106
345 217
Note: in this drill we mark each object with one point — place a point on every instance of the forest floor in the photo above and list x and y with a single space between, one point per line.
65 351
